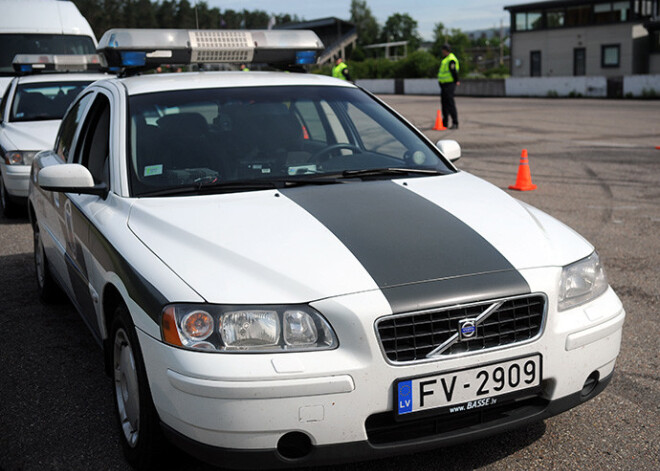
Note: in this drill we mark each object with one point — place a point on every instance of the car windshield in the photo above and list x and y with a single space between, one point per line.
12 44
233 136
44 100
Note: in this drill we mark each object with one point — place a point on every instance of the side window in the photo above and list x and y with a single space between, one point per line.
67 131
311 120
94 149
375 137
3 103
334 123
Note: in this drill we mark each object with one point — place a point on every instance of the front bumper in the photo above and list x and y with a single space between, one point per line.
16 179
235 409
365 450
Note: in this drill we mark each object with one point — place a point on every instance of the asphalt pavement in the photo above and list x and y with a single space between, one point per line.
597 169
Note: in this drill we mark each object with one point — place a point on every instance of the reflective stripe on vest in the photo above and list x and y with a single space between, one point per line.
444 74
337 71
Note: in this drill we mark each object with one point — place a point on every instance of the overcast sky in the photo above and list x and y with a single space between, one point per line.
464 14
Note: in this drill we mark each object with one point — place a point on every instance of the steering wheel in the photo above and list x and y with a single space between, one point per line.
334 147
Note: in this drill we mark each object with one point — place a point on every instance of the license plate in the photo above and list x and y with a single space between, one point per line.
467 389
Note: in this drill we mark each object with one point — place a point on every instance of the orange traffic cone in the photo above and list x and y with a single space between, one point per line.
524 179
439 125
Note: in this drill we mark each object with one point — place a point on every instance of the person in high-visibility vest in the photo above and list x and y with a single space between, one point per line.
448 80
340 70
244 68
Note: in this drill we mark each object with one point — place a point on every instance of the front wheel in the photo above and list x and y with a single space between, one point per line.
141 435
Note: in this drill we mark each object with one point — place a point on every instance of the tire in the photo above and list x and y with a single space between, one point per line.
9 208
49 291
139 426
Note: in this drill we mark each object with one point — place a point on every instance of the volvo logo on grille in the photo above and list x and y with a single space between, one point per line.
467 329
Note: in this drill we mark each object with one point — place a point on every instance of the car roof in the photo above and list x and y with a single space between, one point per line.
63 77
141 84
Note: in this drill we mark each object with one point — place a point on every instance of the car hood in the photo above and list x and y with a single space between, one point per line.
307 243
30 135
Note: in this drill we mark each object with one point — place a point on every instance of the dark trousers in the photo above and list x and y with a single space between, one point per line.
448 104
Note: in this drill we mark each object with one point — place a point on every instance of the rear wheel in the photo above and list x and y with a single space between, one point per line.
141 435
9 208
49 290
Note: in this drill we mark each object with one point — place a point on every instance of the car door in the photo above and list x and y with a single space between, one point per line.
50 206
93 152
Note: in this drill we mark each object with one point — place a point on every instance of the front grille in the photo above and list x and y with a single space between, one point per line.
412 337
383 429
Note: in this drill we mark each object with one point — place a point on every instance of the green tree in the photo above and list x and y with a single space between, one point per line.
439 38
145 12
365 22
185 15
166 13
401 27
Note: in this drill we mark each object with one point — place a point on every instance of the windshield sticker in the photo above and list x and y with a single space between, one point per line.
302 169
151 170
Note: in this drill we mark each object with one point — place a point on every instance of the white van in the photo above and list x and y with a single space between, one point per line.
41 27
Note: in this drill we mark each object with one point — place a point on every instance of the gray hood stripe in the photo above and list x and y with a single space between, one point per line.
416 252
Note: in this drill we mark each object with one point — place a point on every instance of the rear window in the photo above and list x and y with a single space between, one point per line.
12 44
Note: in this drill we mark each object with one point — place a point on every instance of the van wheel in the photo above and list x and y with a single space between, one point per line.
49 290
141 436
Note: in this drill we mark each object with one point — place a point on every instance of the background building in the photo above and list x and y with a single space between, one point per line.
338 36
577 38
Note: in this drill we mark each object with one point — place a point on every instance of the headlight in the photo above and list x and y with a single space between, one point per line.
581 282
246 329
18 157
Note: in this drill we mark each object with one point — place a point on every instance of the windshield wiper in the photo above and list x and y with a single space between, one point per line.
215 187
392 171
240 185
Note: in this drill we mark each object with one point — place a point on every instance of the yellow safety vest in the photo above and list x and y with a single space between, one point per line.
337 71
444 74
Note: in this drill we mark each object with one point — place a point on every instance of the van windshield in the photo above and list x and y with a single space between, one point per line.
12 44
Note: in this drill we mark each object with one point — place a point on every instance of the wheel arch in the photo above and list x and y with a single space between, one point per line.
32 215
111 299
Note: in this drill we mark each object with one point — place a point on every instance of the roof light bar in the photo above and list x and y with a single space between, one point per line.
33 63
143 48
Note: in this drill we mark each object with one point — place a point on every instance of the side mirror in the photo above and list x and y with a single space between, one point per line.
70 178
450 149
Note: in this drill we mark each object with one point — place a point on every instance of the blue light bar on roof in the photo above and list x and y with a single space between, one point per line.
305 57
178 46
26 63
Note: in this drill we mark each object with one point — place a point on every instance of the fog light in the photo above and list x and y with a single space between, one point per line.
590 385
294 445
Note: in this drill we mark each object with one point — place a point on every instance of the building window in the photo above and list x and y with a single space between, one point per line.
555 18
615 12
579 61
535 63
609 56
530 20
578 16
643 8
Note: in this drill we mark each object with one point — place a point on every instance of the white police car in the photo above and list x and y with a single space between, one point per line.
30 112
283 271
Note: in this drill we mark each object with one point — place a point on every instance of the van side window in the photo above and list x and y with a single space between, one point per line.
67 132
